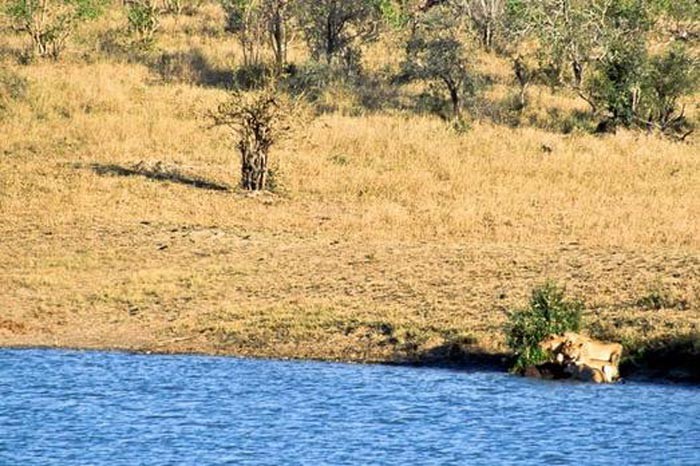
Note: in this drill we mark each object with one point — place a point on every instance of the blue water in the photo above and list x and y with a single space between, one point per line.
70 408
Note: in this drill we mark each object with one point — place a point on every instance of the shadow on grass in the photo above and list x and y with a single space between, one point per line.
193 67
159 173
453 355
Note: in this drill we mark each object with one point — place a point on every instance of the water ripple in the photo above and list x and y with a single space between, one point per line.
75 408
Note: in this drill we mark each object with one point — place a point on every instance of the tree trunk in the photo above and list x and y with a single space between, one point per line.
279 35
577 68
523 77
456 103
253 166
487 36
523 96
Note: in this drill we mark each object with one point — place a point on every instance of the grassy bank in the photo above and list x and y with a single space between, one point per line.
390 237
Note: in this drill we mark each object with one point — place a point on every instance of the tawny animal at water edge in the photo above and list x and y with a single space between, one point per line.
584 358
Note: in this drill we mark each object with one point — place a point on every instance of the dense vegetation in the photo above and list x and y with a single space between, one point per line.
630 60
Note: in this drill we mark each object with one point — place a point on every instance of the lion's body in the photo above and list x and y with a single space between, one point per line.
586 373
584 358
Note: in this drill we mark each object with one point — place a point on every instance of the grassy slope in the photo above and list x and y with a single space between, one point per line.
393 237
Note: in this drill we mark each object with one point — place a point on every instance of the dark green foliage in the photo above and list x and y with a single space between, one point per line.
549 312
618 82
333 28
436 53
670 76
672 357
638 90
234 14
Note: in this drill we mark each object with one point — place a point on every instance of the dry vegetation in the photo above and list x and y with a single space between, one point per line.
389 236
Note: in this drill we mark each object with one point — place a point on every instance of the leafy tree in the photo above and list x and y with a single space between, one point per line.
487 17
257 119
245 18
641 90
332 28
436 53
49 23
258 23
617 85
671 76
576 33
277 15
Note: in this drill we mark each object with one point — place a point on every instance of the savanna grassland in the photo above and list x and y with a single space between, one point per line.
388 235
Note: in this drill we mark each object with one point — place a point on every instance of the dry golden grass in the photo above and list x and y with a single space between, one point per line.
391 236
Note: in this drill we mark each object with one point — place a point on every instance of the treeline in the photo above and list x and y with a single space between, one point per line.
600 49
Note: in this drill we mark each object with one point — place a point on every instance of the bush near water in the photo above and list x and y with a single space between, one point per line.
548 313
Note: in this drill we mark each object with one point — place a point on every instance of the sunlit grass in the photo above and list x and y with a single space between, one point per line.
389 231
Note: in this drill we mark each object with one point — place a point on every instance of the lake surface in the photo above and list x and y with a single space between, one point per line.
76 408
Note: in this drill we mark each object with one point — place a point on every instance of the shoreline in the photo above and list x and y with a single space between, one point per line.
645 371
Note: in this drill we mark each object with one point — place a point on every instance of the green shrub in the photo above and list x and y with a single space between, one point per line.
671 76
437 53
143 17
617 84
49 23
549 312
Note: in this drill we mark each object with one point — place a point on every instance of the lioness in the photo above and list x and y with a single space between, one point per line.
579 348
584 357
553 343
585 373
585 349
609 371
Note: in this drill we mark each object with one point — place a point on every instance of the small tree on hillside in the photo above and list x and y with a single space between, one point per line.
49 23
258 23
245 18
487 17
436 53
671 76
258 119
143 18
277 15
333 27
638 90
617 83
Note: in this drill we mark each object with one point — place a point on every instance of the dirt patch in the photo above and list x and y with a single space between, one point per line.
11 326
